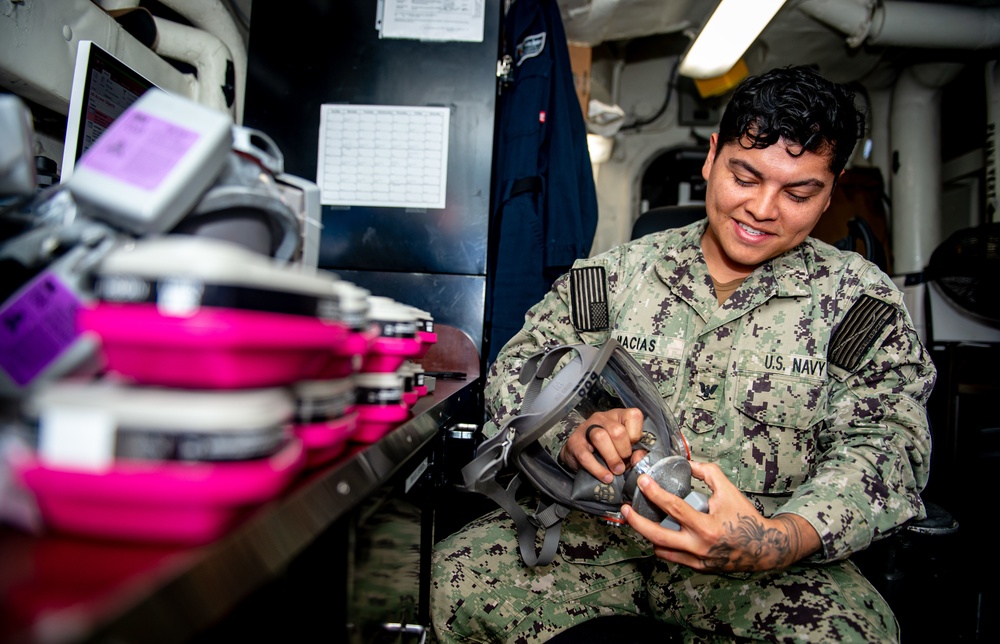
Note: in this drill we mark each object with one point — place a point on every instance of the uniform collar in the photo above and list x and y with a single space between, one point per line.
687 275
790 271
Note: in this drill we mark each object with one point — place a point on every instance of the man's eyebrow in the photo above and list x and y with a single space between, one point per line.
811 182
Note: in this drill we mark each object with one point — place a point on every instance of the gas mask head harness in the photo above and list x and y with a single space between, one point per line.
590 379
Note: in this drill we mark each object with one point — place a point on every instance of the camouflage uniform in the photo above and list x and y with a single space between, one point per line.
807 387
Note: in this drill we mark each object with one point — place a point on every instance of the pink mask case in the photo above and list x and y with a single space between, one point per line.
195 312
82 486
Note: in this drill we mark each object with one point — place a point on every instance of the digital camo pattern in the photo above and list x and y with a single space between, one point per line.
752 389
482 592
750 384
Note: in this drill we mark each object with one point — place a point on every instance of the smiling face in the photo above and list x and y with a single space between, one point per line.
760 203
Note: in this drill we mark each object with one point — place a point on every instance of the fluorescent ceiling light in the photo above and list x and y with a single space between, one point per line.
727 35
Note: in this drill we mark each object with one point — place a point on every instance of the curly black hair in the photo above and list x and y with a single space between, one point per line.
798 105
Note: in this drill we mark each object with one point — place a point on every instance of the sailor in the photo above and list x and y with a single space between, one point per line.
795 374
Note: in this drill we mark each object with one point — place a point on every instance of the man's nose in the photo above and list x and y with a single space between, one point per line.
764 205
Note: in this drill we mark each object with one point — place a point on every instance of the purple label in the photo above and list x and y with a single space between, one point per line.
36 325
139 149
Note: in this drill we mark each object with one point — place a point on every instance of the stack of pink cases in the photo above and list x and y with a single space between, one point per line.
425 332
215 457
325 417
380 404
397 336
348 355
196 312
413 382
419 379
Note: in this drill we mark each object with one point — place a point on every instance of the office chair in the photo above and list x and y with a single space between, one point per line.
665 217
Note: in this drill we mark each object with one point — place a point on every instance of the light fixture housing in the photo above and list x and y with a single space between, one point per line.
599 147
727 35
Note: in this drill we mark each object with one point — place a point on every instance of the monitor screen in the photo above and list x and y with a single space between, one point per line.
103 86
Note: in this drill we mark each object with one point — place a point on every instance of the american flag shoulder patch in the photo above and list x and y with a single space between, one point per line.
589 298
858 331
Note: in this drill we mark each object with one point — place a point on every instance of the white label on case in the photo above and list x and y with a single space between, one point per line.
76 438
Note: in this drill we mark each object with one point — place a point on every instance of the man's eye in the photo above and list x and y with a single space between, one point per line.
742 183
797 198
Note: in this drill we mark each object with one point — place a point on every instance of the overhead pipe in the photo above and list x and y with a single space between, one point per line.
916 164
992 123
115 5
212 16
208 55
909 24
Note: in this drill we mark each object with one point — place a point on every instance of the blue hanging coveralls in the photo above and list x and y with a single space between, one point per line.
545 204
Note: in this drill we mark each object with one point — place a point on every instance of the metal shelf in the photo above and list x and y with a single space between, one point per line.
59 588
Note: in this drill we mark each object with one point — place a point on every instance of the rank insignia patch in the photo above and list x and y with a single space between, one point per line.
858 332
589 298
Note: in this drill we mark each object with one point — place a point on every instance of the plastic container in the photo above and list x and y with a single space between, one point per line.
203 313
419 378
425 331
322 400
181 273
352 312
170 502
325 417
353 303
326 440
213 348
380 405
376 422
408 374
88 424
397 336
151 164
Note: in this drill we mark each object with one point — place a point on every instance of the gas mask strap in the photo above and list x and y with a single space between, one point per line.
548 518
536 369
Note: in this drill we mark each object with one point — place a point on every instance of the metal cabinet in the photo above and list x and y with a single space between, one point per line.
303 55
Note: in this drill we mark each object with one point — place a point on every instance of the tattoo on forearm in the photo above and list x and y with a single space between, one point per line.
751 546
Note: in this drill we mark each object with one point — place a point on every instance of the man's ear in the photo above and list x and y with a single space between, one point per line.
706 168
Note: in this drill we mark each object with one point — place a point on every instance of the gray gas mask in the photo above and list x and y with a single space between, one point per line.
565 386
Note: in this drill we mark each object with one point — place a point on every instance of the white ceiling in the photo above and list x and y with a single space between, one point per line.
793 37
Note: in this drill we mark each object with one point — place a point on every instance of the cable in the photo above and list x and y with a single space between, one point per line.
671 83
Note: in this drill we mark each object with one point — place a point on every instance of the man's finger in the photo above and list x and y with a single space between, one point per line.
710 473
591 463
604 442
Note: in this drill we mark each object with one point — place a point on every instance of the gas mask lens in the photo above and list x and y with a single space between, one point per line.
616 381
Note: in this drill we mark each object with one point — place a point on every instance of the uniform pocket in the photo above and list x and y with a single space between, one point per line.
779 400
780 417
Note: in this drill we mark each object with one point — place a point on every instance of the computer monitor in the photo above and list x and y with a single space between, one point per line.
103 86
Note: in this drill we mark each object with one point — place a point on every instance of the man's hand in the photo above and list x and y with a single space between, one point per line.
611 434
732 536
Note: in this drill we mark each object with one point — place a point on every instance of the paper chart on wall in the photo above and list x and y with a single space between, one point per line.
442 20
383 155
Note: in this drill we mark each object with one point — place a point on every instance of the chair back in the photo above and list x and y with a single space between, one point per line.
666 217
